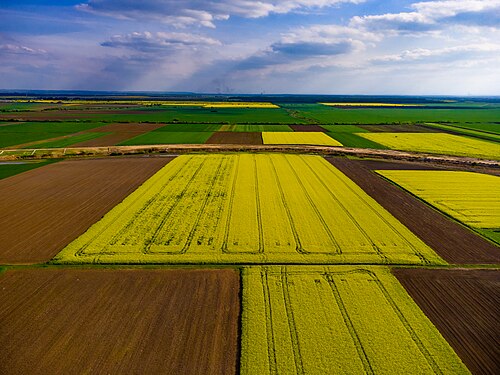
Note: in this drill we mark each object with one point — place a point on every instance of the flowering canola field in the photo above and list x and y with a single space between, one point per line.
299 138
248 208
337 320
437 143
472 198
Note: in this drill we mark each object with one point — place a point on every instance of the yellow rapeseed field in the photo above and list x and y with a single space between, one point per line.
472 198
249 208
159 102
337 320
437 143
299 138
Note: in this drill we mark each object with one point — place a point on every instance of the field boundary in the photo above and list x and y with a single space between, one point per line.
175 149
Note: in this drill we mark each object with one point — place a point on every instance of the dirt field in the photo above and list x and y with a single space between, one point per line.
465 306
121 132
57 321
46 208
452 241
307 128
398 128
235 138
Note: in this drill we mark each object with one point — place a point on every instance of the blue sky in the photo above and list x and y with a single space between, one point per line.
448 47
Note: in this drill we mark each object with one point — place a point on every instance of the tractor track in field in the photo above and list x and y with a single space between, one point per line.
454 242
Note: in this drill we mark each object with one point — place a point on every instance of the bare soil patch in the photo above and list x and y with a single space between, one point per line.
452 241
465 306
235 138
121 132
398 128
44 209
56 321
307 128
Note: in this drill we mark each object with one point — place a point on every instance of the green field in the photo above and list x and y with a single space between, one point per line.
329 115
471 198
158 136
486 128
354 140
344 129
256 128
337 320
246 208
67 141
197 115
466 131
200 128
17 134
8 169
437 143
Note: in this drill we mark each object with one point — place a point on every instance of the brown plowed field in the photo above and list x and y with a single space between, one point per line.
307 128
42 210
121 132
398 128
452 241
119 321
465 306
235 138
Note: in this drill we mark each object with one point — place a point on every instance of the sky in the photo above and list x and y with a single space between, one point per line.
392 47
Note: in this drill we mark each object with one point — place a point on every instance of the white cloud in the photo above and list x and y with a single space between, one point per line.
160 41
17 49
183 13
430 16
450 53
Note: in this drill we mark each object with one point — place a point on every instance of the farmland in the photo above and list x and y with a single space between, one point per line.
248 235
471 198
451 240
299 138
46 208
324 320
437 143
118 321
248 208
463 305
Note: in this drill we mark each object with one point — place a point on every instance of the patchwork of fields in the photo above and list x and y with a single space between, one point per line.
345 320
249 262
248 209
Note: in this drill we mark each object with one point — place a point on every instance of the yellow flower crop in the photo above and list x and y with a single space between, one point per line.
299 138
249 208
436 143
337 320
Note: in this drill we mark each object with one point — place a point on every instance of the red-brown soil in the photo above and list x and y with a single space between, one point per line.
452 241
307 128
121 132
235 138
398 128
44 209
465 306
77 321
